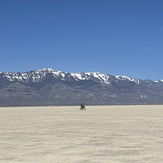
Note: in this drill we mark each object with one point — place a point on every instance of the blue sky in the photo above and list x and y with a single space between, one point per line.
117 37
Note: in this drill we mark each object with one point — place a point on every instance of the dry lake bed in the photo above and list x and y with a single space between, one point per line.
65 134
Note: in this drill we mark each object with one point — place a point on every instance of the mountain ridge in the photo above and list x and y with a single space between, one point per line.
47 86
77 75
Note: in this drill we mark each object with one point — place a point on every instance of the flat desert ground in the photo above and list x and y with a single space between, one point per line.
65 134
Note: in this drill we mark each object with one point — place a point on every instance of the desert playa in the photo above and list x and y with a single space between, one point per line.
65 134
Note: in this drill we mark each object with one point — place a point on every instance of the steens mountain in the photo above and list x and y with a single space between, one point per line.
50 87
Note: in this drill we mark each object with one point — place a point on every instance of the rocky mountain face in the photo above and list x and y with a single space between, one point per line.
49 87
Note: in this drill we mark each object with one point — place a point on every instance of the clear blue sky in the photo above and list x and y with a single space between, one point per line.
117 37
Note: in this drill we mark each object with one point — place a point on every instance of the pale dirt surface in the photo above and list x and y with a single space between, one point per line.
101 134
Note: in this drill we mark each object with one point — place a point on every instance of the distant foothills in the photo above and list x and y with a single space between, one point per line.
50 87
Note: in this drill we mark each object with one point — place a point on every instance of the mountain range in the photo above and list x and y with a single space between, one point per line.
50 87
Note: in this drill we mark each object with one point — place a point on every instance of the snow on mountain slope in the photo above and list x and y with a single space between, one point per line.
39 75
103 78
137 81
159 81
34 76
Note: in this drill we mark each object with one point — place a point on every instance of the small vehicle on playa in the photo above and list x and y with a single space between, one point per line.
82 107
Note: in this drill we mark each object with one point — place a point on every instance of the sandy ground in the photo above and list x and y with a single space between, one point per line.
101 134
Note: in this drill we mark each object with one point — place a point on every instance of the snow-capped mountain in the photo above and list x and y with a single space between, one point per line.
50 87
39 75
